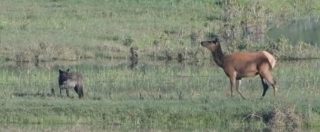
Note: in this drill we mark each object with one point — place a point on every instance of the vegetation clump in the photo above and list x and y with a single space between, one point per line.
285 119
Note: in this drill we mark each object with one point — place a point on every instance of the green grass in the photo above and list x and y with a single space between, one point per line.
80 23
79 29
153 95
116 95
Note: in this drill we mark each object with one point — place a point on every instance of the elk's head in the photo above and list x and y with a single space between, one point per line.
211 45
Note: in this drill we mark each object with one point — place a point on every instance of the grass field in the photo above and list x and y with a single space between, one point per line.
79 29
157 95
97 28
94 38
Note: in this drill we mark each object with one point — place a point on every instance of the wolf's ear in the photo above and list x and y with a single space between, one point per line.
60 71
68 70
216 39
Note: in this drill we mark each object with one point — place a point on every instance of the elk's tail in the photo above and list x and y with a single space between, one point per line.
271 59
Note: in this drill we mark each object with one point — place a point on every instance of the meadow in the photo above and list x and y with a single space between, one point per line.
52 30
162 95
162 92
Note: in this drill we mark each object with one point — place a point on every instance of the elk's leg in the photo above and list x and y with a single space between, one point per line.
266 74
232 83
272 82
232 78
265 86
238 82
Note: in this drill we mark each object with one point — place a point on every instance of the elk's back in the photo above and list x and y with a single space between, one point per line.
247 63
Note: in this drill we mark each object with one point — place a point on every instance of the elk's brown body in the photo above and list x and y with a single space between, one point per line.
243 64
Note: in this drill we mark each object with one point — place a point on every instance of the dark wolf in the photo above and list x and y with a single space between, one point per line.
68 80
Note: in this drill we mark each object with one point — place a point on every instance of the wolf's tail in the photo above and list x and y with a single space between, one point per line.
79 90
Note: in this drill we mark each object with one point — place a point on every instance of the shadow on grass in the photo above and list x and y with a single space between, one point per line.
38 94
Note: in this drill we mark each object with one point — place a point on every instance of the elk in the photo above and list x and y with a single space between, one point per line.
68 80
243 64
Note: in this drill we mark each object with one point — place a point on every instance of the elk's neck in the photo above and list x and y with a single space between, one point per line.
218 56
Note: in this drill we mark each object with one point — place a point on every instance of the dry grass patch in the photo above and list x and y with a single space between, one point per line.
284 118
